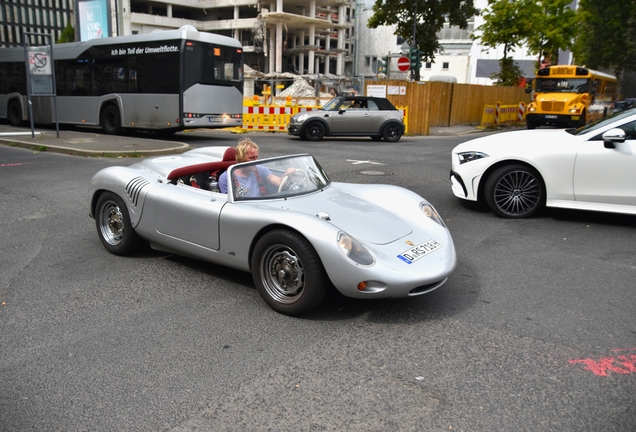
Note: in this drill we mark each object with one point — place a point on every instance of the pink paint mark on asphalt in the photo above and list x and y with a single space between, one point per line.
620 364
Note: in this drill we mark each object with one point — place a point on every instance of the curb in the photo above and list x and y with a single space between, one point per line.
43 147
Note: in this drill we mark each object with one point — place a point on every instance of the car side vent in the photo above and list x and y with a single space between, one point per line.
134 188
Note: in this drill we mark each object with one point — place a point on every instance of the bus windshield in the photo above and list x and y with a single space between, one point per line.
212 64
563 85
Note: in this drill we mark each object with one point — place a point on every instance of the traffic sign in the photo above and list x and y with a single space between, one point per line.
404 64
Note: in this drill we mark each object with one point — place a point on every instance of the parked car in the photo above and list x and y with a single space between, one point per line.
517 173
297 239
350 116
625 104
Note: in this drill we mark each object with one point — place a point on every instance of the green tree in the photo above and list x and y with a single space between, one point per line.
542 26
506 24
68 34
427 15
553 27
607 34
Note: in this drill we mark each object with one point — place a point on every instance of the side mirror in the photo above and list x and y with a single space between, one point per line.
529 89
613 136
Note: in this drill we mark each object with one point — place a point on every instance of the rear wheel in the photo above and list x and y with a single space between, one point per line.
114 227
15 114
392 132
110 120
288 273
515 191
314 131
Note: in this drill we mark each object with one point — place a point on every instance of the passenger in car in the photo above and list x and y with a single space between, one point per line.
250 181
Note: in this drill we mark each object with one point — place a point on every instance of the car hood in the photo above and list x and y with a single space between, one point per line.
508 142
359 218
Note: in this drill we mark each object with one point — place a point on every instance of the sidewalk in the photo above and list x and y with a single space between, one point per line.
87 143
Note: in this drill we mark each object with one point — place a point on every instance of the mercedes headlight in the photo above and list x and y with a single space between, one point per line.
354 250
470 156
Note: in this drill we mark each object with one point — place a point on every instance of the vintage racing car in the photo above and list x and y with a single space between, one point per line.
298 236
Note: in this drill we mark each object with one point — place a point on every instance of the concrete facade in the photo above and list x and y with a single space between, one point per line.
312 37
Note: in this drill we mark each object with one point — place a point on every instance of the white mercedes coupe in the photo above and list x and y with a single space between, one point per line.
518 173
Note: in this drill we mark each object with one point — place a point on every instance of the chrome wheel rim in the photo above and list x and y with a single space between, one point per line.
282 274
517 193
111 223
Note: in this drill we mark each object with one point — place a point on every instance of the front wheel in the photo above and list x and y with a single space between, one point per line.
288 273
392 132
515 191
110 120
314 131
114 227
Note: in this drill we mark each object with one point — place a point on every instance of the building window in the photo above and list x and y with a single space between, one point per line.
445 65
429 65
400 40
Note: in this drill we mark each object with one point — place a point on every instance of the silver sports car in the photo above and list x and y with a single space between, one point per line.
281 219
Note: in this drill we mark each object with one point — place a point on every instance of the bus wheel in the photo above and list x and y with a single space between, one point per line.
110 120
581 121
15 116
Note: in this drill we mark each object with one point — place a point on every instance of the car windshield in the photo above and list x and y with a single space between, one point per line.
332 105
281 177
599 124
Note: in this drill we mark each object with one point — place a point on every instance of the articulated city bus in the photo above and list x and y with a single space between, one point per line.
163 81
570 96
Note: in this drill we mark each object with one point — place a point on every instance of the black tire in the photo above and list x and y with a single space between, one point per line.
392 132
14 114
314 131
581 121
114 228
110 120
515 191
288 273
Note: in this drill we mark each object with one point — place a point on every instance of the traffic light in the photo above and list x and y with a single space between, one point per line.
384 64
415 55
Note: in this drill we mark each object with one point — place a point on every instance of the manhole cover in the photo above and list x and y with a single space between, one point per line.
373 173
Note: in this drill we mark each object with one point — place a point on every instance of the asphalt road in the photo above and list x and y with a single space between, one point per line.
535 330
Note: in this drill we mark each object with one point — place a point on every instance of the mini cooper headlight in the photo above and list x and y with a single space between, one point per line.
354 250
430 212
301 118
470 156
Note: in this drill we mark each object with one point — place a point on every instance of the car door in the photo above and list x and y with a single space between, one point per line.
189 214
350 120
607 175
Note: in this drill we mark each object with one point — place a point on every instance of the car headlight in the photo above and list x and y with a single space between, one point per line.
430 212
299 119
574 110
354 250
470 156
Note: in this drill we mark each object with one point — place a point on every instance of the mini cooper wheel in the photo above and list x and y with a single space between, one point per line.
113 225
515 191
288 273
392 132
314 131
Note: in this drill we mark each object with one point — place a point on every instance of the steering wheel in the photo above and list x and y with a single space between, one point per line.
288 182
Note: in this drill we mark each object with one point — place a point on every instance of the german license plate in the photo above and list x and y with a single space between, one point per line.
550 116
214 119
419 251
